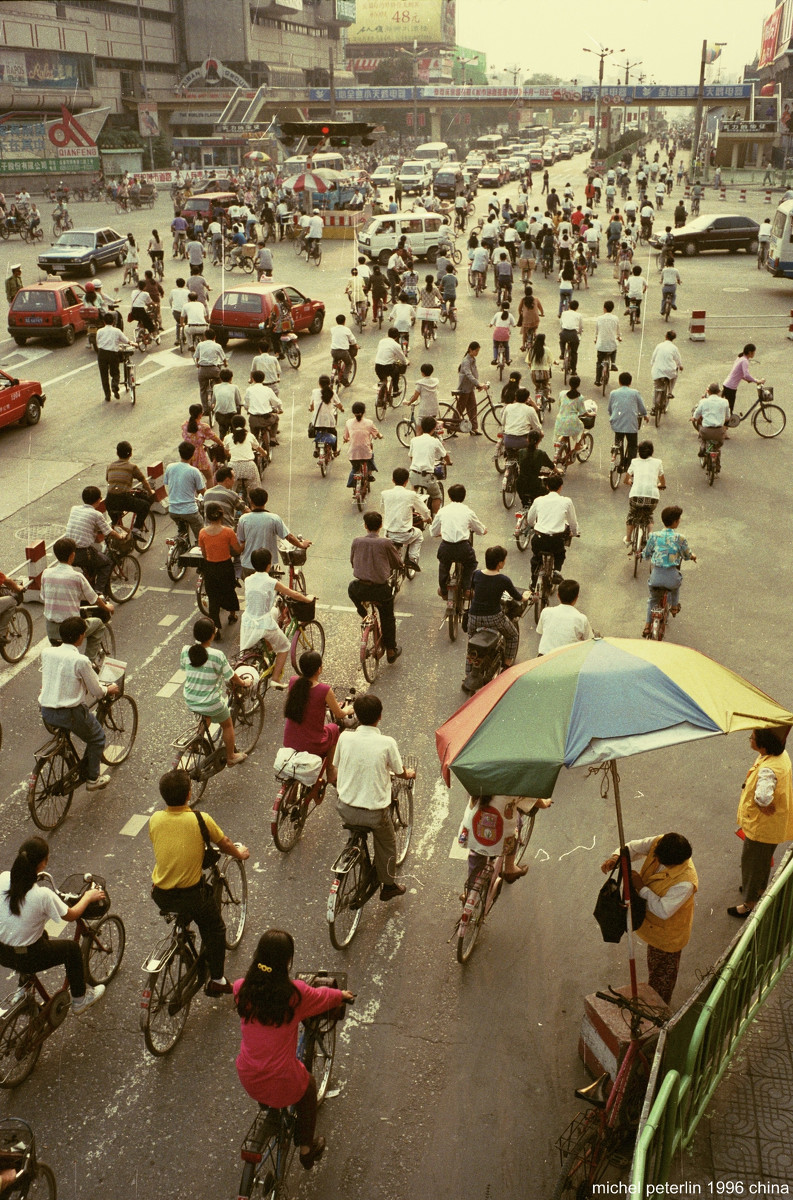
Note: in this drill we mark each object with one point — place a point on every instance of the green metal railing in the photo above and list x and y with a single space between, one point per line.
696 1047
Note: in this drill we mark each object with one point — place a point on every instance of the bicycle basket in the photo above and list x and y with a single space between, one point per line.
17 1144
291 556
440 471
588 422
332 979
123 546
73 888
302 610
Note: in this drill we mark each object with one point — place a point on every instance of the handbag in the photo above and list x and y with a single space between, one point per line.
312 430
211 855
611 912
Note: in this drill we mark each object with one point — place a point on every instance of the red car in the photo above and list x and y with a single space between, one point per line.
20 400
47 310
242 311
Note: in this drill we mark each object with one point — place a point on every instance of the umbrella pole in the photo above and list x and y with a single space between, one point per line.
625 866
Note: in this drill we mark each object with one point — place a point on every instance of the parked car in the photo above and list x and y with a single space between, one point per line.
240 312
47 310
727 232
84 250
20 400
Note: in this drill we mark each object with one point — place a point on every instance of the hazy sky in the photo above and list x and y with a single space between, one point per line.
666 35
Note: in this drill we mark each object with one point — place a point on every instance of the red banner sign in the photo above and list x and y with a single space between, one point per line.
770 35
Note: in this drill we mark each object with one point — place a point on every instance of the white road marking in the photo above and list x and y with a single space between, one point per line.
577 848
159 649
458 851
150 587
346 608
434 816
169 620
168 690
134 825
31 657
59 378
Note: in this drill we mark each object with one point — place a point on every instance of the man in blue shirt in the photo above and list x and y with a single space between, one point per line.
185 483
626 412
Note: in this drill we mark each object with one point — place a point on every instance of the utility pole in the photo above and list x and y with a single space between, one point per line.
703 62
415 54
628 67
602 54
143 78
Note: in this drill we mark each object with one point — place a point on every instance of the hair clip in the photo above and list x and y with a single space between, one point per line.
263 967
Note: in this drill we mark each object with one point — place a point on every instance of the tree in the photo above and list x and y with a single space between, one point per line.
392 72
539 78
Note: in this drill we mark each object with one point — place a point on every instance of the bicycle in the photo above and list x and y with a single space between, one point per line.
354 876
545 585
313 249
178 556
634 316
605 371
390 392
695 206
484 888
565 456
476 281
359 313
143 543
176 970
484 657
509 480
662 391
297 622
361 483
566 357
58 770
641 531
603 1136
269 1145
768 421
709 460
297 799
32 1013
501 359
201 751
659 615
666 305
428 329
15 641
342 374
18 1152
372 646
458 602
449 313
124 578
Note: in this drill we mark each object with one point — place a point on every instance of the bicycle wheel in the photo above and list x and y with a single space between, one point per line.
247 715
233 900
201 598
769 421
615 472
710 470
470 923
290 818
124 579
450 419
310 636
405 431
42 1186
509 486
587 442
193 759
18 1052
381 403
343 920
104 949
131 384
299 582
523 536
524 835
585 1164
538 605
500 457
149 529
172 565
452 615
18 636
402 812
324 1052
293 355
107 646
50 790
492 422
121 727
636 540
163 1022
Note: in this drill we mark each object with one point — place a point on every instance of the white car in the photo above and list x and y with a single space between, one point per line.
383 177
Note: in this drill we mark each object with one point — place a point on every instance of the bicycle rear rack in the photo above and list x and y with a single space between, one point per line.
572 1135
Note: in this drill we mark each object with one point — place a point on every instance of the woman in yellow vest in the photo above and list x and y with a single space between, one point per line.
668 882
765 815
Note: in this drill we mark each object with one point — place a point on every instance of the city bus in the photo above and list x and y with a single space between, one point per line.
780 251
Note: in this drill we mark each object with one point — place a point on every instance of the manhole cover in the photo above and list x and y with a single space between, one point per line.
39 533
735 289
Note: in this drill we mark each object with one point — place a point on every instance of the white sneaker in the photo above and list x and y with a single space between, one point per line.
626 541
91 996
95 785
279 685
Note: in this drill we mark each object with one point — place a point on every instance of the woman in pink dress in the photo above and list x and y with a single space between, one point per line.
360 432
740 370
271 1007
305 728
197 433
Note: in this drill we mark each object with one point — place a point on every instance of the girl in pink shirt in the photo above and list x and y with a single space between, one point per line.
739 371
360 432
271 1007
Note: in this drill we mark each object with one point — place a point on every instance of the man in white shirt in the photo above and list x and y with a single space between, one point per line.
283 216
68 682
670 281
426 451
593 236
562 624
215 232
607 334
262 406
365 760
571 330
270 368
314 232
88 527
553 519
140 310
195 253
390 358
177 300
209 358
398 505
710 417
194 319
342 340
637 286
453 524
396 269
403 315
110 341
645 476
665 361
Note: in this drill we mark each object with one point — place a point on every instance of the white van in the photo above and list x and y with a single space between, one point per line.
319 162
380 236
415 175
434 153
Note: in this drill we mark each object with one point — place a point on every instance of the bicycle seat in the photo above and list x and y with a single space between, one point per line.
596 1093
360 829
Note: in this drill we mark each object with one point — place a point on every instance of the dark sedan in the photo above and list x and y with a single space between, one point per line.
728 232
84 250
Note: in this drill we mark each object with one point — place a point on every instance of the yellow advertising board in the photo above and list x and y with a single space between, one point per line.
399 22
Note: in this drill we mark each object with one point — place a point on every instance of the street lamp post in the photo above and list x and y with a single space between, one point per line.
602 54
415 54
628 67
700 106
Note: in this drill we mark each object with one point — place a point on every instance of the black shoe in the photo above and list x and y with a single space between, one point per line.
393 655
557 577
464 622
476 433
314 1155
414 566
735 912
389 891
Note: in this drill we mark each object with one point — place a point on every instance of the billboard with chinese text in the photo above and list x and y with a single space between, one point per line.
387 23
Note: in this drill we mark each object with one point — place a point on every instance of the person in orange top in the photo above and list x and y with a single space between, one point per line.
218 542
765 815
667 880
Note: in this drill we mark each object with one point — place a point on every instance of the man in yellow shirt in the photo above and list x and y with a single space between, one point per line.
178 883
765 815
668 882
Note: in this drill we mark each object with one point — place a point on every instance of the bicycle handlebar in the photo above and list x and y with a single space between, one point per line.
632 1004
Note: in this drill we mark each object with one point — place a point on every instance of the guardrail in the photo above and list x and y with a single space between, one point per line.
696 1046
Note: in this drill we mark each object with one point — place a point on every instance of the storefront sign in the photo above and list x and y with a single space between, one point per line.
744 128
212 73
67 143
769 38
148 118
39 69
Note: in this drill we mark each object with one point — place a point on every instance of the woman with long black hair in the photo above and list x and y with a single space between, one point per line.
271 1007
25 908
305 728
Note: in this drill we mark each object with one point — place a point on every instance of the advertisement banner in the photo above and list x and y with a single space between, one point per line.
769 37
383 22
148 118
67 143
39 68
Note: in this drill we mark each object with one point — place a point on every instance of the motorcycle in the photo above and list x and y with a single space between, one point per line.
484 658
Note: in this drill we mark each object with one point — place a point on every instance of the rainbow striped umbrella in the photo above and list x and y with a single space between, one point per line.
588 704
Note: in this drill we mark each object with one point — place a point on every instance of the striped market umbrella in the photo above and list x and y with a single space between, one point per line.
312 181
257 156
589 704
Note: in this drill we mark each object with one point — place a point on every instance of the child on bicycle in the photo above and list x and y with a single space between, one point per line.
488 829
666 551
502 324
271 1007
207 675
645 476
426 394
259 621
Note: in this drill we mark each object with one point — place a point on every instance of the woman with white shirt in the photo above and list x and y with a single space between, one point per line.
520 417
325 405
646 476
241 450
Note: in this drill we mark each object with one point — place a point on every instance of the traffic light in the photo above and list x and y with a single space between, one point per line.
334 133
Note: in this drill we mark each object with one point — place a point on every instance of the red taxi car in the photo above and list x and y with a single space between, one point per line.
20 400
242 311
47 310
